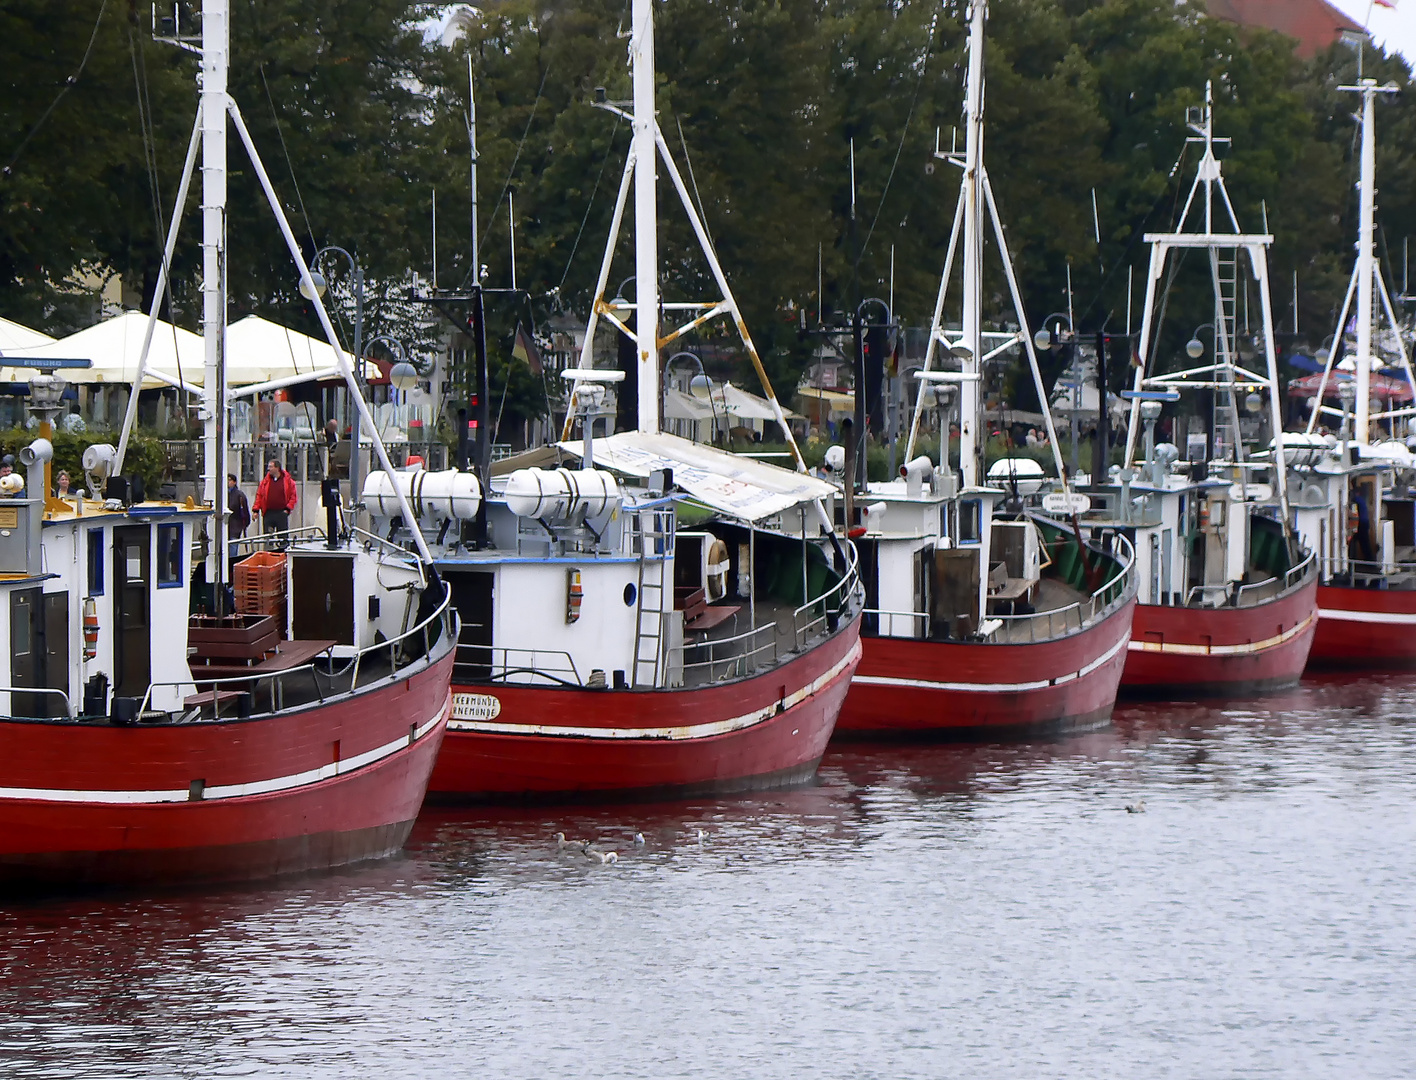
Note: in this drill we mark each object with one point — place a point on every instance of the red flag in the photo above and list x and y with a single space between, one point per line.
1385 3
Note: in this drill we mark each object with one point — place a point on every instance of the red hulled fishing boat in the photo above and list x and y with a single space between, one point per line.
1227 592
147 746
1361 511
979 617
607 651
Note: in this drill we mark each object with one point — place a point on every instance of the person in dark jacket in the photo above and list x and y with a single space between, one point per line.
275 498
239 518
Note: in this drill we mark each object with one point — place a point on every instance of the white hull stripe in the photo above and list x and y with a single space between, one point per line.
993 688
1392 618
690 731
233 791
1176 648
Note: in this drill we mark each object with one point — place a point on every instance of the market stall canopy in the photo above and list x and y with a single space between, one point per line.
260 351
744 406
681 406
737 486
15 336
112 349
1381 386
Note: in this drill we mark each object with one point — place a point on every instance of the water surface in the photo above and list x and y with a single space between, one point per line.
981 910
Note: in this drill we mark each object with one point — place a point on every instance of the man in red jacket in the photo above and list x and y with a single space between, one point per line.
275 498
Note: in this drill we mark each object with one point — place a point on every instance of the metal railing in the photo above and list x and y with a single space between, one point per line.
62 695
824 612
1059 622
331 683
499 663
743 659
1292 576
921 617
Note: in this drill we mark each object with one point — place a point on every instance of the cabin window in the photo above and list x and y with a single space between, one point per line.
95 562
970 521
169 556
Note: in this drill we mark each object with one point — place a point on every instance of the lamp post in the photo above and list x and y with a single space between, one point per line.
46 398
315 285
1056 332
700 386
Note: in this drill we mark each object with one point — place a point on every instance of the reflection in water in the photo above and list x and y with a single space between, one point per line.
976 909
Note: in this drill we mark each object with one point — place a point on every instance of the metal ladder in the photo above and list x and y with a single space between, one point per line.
649 626
1226 343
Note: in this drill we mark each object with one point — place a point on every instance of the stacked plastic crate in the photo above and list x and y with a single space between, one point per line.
260 586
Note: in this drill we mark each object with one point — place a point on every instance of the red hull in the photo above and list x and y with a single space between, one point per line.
549 743
1365 628
909 687
307 788
1190 652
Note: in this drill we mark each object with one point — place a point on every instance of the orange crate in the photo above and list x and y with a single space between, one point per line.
263 572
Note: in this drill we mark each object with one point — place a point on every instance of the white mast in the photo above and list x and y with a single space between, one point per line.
215 57
1366 264
969 412
646 214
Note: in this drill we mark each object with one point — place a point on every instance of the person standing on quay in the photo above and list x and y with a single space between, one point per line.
239 507
275 498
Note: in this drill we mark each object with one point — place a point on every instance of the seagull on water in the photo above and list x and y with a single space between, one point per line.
1136 807
562 843
602 857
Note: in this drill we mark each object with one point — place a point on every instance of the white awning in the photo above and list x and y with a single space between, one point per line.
681 406
738 486
15 336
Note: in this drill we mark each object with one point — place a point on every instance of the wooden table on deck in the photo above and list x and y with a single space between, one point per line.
291 655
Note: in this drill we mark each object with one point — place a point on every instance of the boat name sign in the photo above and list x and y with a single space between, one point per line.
475 707
1066 502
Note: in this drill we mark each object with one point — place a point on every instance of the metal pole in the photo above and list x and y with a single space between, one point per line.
215 59
646 216
355 491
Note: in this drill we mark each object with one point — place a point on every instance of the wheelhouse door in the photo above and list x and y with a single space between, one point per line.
132 611
473 595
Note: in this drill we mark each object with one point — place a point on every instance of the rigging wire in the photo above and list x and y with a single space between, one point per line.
280 133
591 204
511 172
69 83
688 161
914 101
147 129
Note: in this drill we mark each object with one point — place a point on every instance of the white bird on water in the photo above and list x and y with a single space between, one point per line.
1136 807
602 857
639 839
562 843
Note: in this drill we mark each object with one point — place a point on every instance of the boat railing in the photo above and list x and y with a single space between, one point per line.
918 622
1058 622
249 545
822 614
1334 566
1204 592
367 666
730 657
50 691
1294 574
500 663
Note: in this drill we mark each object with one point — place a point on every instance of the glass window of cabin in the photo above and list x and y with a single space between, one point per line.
169 555
95 562
970 521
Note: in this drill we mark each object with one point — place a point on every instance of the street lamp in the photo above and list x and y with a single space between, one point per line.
315 285
1195 348
1046 338
700 386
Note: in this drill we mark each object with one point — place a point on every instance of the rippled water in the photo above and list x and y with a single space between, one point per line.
921 911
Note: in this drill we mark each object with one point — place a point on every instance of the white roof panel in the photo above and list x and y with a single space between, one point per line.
733 485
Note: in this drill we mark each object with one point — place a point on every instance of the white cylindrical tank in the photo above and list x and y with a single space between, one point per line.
558 493
437 495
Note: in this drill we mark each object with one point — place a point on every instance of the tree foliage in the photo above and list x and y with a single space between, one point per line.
360 118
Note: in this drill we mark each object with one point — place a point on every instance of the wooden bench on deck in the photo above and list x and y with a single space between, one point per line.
697 615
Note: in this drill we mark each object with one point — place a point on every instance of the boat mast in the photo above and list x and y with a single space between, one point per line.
215 57
646 212
1366 263
970 413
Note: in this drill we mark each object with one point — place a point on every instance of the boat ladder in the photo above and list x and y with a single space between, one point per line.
654 556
